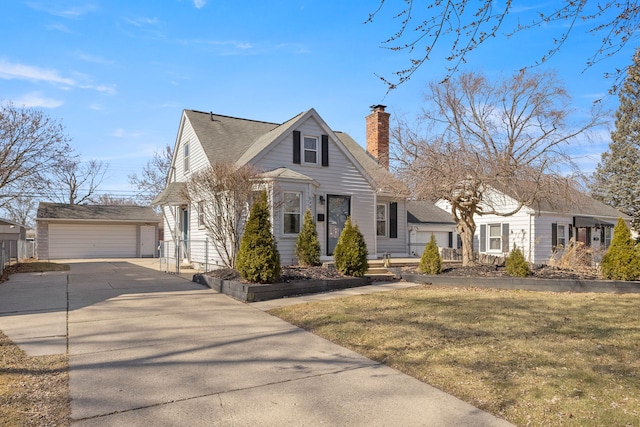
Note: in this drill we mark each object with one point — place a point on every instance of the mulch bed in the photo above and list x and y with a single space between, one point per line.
288 274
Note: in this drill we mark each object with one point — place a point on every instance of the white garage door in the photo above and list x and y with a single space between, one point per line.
92 241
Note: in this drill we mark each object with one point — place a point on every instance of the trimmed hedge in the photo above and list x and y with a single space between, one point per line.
307 244
350 254
516 265
258 258
431 261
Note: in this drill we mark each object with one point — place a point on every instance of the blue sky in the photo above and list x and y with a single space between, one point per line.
119 73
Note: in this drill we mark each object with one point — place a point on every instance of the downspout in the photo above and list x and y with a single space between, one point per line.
530 238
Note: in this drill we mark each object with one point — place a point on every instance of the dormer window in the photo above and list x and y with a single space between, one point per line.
186 157
311 150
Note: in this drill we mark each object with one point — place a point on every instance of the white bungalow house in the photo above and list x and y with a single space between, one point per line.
546 227
312 166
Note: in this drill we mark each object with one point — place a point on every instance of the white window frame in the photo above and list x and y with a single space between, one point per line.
297 214
185 155
491 238
561 241
382 220
608 236
306 150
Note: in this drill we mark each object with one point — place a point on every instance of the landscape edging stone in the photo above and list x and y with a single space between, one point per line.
253 292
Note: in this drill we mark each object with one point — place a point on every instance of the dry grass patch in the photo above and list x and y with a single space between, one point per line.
533 358
34 391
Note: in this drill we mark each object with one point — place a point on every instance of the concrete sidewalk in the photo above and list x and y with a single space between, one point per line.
149 348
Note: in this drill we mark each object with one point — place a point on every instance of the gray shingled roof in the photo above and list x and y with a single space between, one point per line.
423 212
225 138
173 194
62 211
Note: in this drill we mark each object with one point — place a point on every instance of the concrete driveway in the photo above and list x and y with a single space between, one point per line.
149 348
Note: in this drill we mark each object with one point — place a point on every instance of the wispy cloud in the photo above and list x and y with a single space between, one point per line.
16 71
235 47
11 71
63 10
59 27
35 99
122 133
199 4
142 21
94 59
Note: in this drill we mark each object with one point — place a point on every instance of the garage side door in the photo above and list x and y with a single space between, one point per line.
92 241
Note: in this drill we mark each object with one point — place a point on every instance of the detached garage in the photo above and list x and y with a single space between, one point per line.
95 231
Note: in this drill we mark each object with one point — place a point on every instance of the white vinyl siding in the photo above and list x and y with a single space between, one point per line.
341 177
92 241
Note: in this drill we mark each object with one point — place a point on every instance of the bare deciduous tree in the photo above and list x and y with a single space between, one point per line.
510 135
22 210
153 177
460 26
223 194
31 145
76 182
113 200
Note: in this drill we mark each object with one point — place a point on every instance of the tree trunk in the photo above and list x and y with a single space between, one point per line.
466 232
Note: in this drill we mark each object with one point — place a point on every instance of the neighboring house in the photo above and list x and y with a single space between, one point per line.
13 240
309 164
424 219
546 227
95 231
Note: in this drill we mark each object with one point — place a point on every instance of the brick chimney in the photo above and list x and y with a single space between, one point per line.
378 134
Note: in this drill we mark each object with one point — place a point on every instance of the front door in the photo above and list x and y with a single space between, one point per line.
338 209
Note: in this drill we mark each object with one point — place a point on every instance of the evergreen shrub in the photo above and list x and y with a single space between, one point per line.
516 265
258 258
307 244
350 254
430 262
622 260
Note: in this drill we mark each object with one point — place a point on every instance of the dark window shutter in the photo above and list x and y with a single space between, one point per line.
393 220
296 146
483 237
505 237
325 150
554 236
570 232
451 239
